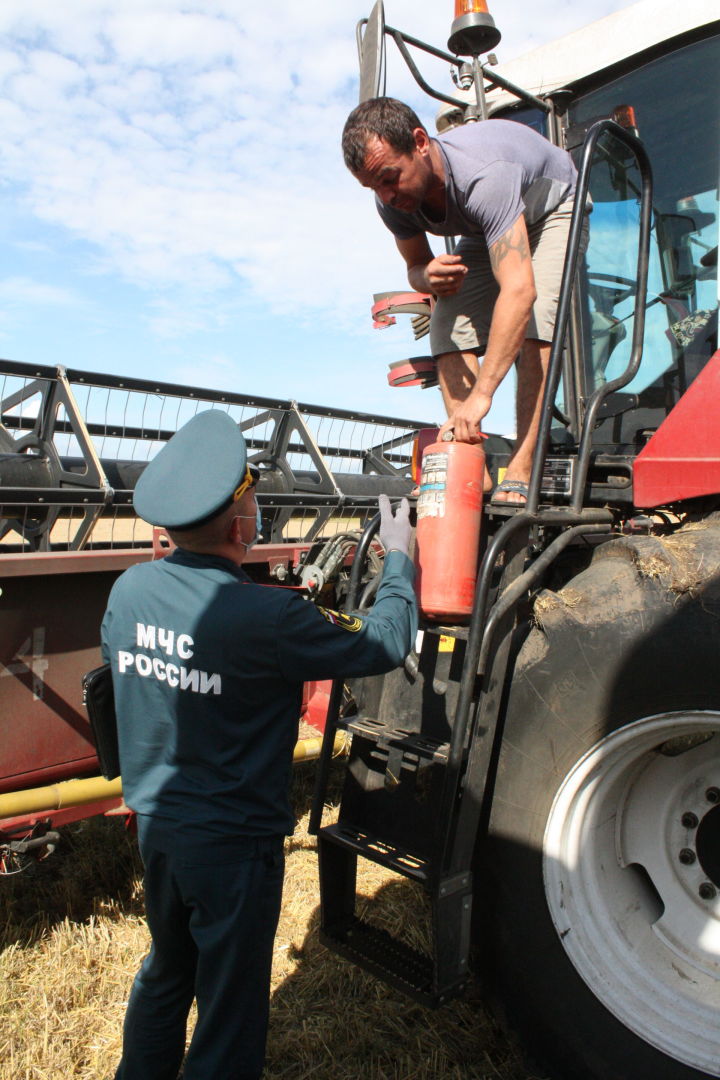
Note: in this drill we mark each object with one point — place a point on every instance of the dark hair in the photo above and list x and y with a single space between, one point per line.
385 117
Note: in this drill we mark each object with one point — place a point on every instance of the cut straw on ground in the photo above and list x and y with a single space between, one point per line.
72 934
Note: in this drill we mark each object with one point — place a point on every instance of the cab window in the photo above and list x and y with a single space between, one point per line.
677 114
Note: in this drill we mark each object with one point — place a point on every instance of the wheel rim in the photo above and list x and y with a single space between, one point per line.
631 872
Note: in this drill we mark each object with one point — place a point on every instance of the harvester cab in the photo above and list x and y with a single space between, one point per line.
459 764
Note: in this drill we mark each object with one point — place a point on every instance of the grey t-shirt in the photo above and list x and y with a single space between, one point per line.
495 170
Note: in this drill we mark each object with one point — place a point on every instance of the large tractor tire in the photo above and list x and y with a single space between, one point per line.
600 926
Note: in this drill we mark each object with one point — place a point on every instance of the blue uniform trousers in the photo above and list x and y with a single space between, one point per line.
212 909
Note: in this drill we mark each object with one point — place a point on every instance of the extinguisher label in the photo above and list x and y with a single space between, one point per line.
431 501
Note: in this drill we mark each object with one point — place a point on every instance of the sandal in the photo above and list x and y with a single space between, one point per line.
516 487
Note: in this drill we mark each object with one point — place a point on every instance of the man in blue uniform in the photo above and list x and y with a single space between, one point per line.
208 670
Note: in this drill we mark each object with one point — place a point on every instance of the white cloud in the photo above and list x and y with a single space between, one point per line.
20 295
22 291
196 150
34 246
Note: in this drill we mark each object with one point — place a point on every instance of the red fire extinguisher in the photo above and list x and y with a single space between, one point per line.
449 512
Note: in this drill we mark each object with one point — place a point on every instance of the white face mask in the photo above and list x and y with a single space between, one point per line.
257 518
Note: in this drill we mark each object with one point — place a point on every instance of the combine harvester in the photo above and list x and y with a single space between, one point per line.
549 770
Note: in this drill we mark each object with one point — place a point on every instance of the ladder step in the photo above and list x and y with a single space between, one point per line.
410 742
502 509
432 978
378 851
383 955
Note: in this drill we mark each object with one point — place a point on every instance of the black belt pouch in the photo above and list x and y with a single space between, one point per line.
100 703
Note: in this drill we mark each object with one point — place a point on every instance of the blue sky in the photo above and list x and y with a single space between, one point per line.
174 204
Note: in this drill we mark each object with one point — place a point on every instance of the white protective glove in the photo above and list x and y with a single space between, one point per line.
395 530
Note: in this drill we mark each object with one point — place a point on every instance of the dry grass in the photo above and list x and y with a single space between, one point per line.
72 934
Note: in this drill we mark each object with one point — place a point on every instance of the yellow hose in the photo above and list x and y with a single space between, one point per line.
308 749
59 796
80 792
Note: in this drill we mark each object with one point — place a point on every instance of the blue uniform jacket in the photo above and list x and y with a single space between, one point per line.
208 670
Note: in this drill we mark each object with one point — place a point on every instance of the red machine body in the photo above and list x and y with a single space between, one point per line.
45 648
682 459
449 512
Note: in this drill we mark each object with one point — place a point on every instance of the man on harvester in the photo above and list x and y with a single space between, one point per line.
508 194
208 670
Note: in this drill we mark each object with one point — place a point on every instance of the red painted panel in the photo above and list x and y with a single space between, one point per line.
51 607
682 459
49 637
31 563
316 698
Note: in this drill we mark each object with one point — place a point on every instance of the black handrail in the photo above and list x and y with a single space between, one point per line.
563 313
602 392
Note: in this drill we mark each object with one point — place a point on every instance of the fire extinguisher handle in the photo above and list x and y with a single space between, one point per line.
449 435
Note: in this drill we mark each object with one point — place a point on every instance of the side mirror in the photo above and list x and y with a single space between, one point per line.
371 50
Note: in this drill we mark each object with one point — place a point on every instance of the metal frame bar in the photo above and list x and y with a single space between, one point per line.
63 427
286 422
496 81
56 393
222 397
292 428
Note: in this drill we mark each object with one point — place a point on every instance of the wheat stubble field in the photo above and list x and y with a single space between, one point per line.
72 933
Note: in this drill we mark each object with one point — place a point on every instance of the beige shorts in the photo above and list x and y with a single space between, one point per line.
461 323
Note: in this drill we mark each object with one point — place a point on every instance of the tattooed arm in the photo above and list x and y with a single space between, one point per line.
512 267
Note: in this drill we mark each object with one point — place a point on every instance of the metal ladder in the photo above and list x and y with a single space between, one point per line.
405 801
